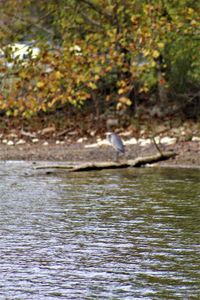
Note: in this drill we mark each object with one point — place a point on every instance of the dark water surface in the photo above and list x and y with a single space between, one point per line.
128 234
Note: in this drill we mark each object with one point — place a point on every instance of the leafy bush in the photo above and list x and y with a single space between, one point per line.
90 49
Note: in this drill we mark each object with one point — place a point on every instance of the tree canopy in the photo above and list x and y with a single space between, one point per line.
98 51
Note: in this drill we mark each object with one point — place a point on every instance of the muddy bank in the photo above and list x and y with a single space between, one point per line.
188 152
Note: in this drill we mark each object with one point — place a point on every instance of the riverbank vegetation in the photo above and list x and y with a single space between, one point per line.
82 63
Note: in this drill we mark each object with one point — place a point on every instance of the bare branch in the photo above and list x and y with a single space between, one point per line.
97 8
33 22
157 147
91 21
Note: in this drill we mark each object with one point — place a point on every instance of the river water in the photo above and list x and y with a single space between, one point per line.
120 234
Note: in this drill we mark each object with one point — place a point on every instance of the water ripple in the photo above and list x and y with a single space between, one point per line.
130 234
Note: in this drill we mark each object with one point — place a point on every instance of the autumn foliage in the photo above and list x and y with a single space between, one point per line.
97 51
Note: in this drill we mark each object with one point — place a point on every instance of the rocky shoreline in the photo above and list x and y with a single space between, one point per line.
98 149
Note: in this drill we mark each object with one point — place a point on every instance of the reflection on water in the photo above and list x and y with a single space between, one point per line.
128 234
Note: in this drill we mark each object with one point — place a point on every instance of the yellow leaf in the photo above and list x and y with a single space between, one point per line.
15 113
155 54
190 11
96 77
144 89
119 106
97 69
92 85
145 52
120 91
53 89
193 23
152 64
125 100
40 84
8 113
58 75
161 45
23 74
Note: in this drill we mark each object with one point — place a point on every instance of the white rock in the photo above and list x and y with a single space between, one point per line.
132 141
72 133
35 140
144 142
92 133
10 143
183 132
157 139
59 142
4 141
195 139
45 143
142 131
80 140
168 140
20 142
99 139
12 135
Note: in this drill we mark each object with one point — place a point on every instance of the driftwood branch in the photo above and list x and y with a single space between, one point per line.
156 145
138 162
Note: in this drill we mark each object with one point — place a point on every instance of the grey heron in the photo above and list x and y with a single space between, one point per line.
115 140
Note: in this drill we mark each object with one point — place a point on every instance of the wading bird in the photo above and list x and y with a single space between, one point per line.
116 142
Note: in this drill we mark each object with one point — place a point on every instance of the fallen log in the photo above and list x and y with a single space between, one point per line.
138 162
95 166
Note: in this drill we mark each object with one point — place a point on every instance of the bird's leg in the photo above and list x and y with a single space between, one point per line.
117 156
